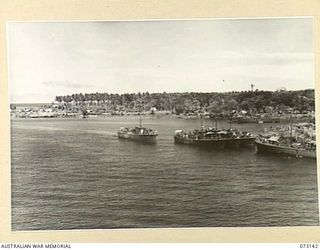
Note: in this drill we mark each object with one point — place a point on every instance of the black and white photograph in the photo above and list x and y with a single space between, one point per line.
173 123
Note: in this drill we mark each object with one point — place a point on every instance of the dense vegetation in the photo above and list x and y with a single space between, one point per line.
251 101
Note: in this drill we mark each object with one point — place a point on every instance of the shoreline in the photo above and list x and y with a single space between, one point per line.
185 117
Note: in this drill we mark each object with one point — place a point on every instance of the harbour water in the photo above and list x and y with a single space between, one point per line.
75 174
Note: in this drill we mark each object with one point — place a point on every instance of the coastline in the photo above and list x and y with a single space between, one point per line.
248 119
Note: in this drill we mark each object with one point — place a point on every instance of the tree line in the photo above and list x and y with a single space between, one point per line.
191 102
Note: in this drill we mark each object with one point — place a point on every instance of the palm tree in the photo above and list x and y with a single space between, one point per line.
58 99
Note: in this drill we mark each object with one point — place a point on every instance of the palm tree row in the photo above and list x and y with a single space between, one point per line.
301 100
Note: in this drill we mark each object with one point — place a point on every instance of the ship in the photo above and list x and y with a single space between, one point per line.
212 137
138 134
267 147
298 143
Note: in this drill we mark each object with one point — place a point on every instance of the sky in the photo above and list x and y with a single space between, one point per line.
214 55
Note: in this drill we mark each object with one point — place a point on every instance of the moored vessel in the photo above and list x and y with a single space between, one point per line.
211 137
138 134
267 147
299 142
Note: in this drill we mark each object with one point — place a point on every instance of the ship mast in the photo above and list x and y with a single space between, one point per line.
140 121
291 125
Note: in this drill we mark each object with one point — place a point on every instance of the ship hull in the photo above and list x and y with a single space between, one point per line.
275 149
216 143
137 138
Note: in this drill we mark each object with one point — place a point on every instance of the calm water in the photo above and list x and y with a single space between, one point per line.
76 174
